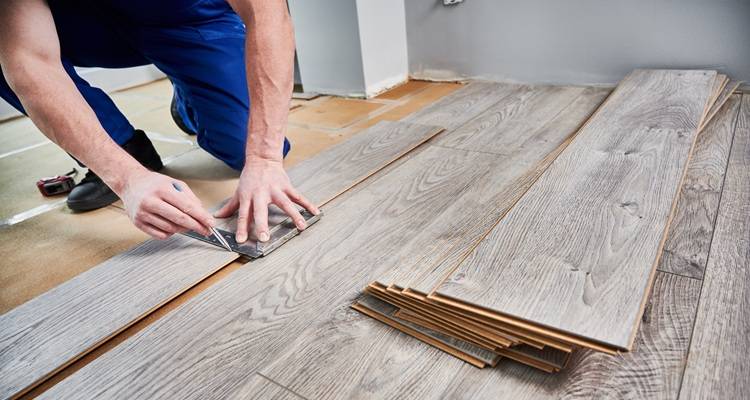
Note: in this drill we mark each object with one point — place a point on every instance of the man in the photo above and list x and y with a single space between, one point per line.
213 64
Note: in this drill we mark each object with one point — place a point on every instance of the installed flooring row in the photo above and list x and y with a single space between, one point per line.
282 327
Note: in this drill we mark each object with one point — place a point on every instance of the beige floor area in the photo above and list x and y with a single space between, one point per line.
45 244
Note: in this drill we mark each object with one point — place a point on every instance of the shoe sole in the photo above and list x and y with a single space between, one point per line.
90 205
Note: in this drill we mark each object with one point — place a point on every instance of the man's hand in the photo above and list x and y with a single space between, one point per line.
264 182
162 206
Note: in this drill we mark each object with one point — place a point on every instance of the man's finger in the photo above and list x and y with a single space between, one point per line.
260 219
243 220
188 204
288 207
180 217
298 198
229 208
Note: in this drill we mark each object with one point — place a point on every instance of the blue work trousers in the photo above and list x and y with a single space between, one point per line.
198 44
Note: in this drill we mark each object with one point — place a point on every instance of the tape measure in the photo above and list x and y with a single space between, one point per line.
55 185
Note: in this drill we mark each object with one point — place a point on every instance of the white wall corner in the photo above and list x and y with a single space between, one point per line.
382 34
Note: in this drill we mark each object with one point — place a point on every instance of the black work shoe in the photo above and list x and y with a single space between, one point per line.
92 193
178 119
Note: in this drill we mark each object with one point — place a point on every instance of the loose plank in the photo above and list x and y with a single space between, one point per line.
577 254
717 364
730 87
58 327
689 239
427 273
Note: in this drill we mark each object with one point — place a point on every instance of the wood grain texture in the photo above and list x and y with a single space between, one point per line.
578 252
43 335
527 107
207 347
524 164
686 249
343 166
464 104
65 323
717 365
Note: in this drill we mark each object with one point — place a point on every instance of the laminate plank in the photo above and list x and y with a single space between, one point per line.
422 279
208 346
58 327
337 169
464 104
526 108
717 366
689 239
577 254
49 332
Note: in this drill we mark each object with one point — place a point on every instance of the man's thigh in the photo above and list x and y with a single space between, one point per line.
206 63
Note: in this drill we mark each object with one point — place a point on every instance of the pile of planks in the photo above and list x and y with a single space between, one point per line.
569 258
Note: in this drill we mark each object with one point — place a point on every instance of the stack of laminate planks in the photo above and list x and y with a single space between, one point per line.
570 259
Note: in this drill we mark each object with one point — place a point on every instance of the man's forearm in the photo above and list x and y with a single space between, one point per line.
60 112
269 58
30 60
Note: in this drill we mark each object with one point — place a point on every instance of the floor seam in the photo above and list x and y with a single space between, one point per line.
708 255
469 150
282 386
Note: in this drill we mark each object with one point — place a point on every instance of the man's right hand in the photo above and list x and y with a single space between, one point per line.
156 205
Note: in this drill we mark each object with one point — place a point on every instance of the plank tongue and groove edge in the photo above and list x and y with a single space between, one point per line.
716 365
730 87
213 342
577 254
50 331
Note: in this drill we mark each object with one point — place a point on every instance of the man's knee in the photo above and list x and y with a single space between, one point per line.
232 152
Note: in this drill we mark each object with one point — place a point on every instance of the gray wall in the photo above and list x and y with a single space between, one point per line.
575 41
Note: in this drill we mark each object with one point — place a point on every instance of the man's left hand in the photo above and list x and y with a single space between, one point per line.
264 182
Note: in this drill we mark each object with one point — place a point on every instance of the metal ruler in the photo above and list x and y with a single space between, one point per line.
280 234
